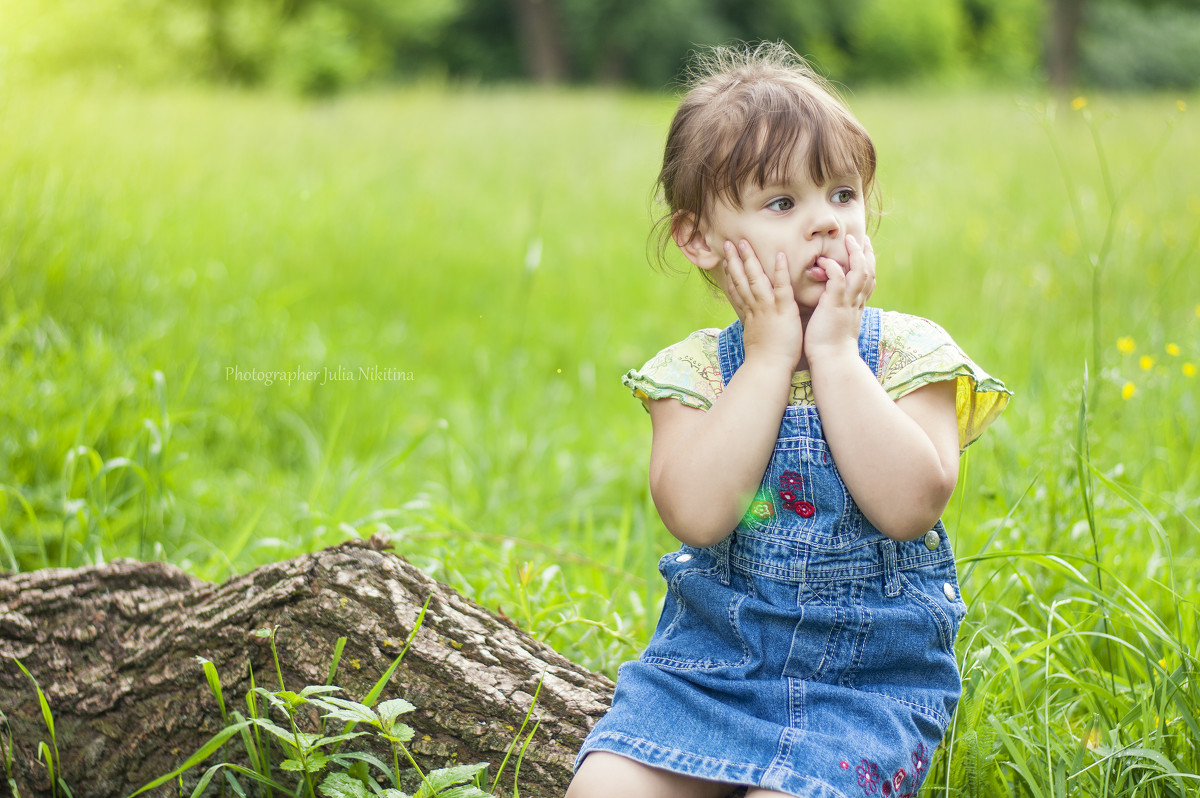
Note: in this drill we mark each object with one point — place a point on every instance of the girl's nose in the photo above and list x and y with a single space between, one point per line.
823 224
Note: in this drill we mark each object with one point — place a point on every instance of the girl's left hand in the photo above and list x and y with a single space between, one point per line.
835 322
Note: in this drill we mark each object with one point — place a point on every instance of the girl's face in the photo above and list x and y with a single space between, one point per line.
792 215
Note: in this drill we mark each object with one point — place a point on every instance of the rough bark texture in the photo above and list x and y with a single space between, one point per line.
113 648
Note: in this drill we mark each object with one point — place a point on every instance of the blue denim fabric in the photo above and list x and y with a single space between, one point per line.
807 652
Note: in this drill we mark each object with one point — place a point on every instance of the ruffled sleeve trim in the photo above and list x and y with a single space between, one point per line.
917 352
688 371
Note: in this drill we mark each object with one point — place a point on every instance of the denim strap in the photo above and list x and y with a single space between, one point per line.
891 569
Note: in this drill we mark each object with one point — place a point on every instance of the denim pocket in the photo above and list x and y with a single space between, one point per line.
698 629
937 595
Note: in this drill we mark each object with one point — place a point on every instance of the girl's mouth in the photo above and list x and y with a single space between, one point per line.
816 271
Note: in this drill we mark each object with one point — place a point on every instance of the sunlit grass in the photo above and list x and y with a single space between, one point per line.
490 248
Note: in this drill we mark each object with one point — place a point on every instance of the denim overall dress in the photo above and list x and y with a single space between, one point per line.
806 652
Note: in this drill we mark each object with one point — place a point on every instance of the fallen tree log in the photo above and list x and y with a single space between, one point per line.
114 650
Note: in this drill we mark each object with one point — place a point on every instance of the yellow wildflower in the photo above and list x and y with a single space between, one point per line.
1181 105
1189 369
1079 103
1146 362
1173 350
1127 390
1125 344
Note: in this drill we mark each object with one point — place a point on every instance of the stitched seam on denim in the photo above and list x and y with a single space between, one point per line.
796 705
929 712
860 640
944 624
709 761
783 755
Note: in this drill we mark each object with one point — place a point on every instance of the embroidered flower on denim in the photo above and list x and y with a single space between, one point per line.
762 510
891 787
873 782
789 487
868 777
920 760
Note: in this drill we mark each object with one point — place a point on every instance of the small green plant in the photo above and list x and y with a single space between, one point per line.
46 753
314 760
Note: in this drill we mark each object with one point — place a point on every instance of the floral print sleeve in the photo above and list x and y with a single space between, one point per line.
916 352
687 371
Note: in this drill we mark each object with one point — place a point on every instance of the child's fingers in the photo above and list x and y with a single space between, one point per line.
735 275
757 280
860 272
782 282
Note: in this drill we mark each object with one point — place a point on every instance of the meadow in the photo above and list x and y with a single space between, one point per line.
167 258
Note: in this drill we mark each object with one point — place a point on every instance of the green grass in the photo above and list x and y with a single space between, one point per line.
151 242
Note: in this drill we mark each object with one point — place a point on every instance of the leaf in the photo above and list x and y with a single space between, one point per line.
317 689
444 778
348 710
46 715
363 759
324 741
316 762
390 793
466 791
214 684
283 734
391 709
293 700
401 733
337 657
339 785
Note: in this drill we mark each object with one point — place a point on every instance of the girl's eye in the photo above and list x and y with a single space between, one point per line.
781 204
844 195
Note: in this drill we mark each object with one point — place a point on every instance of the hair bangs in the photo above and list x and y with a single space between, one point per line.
777 129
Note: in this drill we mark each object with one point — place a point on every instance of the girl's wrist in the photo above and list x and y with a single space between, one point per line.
822 354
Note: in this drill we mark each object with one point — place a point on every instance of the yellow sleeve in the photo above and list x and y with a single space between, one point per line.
916 352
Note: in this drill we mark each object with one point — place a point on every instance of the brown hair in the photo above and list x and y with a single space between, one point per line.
748 111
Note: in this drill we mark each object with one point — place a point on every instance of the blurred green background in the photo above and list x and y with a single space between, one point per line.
323 46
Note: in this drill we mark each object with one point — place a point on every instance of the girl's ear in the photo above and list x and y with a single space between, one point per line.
689 237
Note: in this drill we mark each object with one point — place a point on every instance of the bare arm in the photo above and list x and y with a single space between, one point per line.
899 459
706 465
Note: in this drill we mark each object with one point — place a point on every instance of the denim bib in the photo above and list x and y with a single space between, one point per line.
806 652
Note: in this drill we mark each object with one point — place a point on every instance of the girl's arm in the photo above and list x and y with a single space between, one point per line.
899 459
705 466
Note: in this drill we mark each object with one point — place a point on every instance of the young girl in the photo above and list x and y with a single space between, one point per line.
803 456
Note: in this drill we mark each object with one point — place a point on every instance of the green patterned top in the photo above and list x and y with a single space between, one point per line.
914 352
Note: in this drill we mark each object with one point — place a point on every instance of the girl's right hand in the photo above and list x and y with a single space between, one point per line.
765 304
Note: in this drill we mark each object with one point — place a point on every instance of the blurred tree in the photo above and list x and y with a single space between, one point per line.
1062 46
540 36
1145 45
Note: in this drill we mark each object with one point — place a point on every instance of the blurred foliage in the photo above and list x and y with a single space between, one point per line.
322 46
1127 47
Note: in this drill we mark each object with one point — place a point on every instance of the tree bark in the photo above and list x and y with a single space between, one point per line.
113 648
539 34
1066 20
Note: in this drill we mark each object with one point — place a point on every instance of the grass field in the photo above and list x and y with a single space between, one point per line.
486 252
